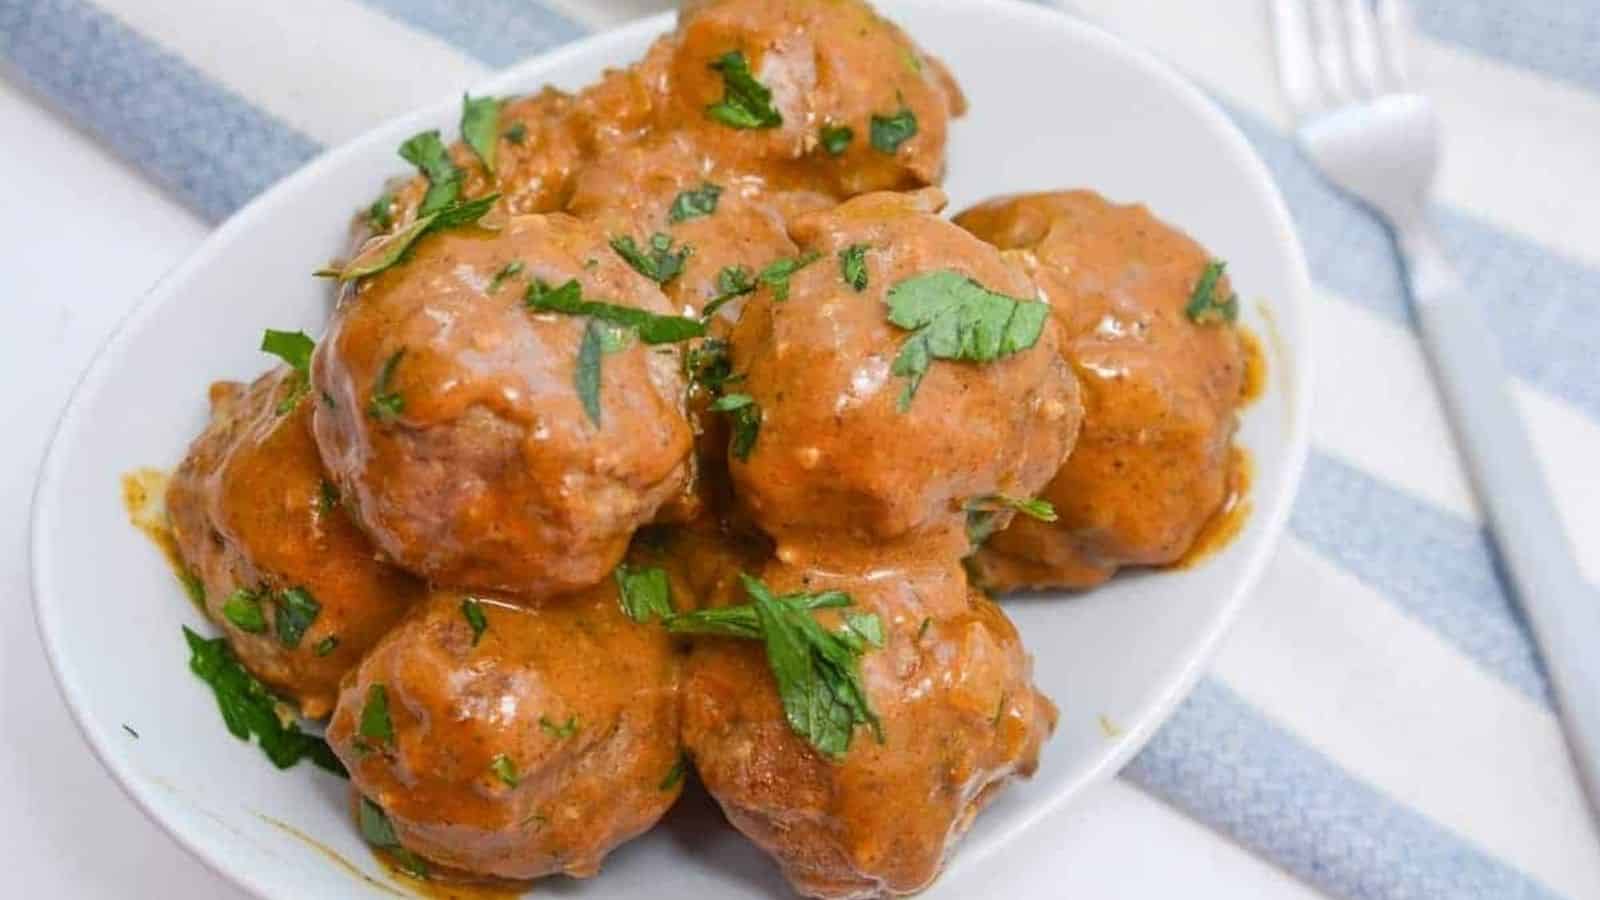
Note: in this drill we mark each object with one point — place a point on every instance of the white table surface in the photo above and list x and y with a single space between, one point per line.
83 238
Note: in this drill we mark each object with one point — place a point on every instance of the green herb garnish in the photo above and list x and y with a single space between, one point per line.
1034 508
517 133
387 404
745 414
708 365
480 127
559 732
702 201
375 722
248 708
955 318
505 769
509 270
853 266
325 646
836 139
675 774
243 609
297 609
818 671
733 281
388 251
327 497
889 132
652 328
380 214
777 273
1205 306
657 262
429 154
746 102
379 832
644 593
195 588
294 348
472 611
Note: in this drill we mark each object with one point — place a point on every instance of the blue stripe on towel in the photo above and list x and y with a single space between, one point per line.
496 32
211 148
1435 566
1556 37
1224 763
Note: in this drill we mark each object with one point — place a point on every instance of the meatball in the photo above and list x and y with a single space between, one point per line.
854 447
824 87
486 442
956 708
293 583
1160 390
515 741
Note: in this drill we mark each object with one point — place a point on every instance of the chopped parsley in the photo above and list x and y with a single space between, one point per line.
674 774
387 404
428 153
953 317
586 378
732 281
380 214
480 127
836 138
509 270
702 201
1206 306
708 365
657 261
383 254
326 645
375 723
559 732
472 611
243 609
248 708
517 133
818 671
327 497
889 132
505 768
853 266
379 832
777 273
652 328
297 609
746 102
294 348
644 593
923 628
745 415
1034 508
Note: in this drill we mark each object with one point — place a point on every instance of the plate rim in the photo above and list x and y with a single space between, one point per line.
1297 381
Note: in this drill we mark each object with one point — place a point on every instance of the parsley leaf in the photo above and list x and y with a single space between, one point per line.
853 266
733 281
379 832
472 611
559 732
509 270
517 133
388 251
387 404
379 214
652 328
746 102
505 768
1034 508
644 593
702 201
243 609
836 139
294 348
777 273
889 132
708 365
1205 306
675 774
746 415
327 497
480 127
375 722
657 262
248 708
818 671
586 379
953 317
297 609
429 154
326 645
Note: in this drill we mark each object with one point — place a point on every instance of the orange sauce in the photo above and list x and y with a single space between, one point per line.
144 496
1254 381
440 886
1226 523
329 852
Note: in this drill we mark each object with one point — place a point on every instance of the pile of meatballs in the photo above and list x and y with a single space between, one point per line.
660 339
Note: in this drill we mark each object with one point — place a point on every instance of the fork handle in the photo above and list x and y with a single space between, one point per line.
1562 607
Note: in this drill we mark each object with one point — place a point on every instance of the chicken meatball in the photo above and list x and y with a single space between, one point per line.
515 741
487 439
293 583
871 431
818 86
1160 389
957 717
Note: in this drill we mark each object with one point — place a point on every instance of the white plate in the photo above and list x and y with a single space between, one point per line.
1055 103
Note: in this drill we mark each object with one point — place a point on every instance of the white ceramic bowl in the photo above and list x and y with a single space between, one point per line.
1055 103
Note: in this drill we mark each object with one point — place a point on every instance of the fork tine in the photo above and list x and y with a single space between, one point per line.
1330 51
1296 65
1394 24
1363 35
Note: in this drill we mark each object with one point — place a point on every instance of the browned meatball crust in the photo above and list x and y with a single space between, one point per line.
456 426
841 456
532 746
254 517
960 717
1160 390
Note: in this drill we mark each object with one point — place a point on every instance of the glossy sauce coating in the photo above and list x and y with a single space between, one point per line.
493 475
952 688
1160 391
251 508
533 750
837 461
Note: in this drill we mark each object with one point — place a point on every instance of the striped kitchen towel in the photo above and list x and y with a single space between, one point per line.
1379 724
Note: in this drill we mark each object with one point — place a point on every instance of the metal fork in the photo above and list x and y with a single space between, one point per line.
1344 73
